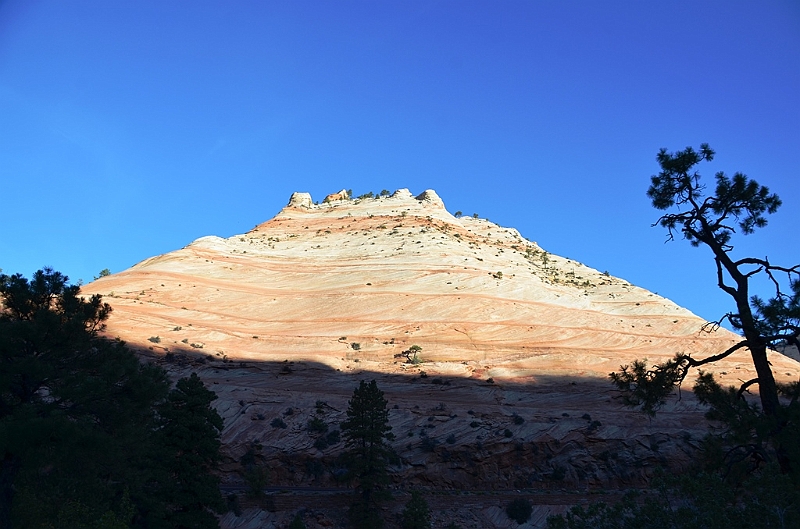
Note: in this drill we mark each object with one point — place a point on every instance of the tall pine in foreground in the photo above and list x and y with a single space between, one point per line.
366 432
89 436
188 446
751 435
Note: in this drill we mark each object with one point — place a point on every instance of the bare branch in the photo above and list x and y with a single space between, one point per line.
744 386
713 326
696 363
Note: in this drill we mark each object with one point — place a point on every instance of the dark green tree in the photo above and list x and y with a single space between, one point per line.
691 501
416 514
80 416
366 431
710 221
187 440
519 510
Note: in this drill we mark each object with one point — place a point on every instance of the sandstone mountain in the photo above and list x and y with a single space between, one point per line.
511 391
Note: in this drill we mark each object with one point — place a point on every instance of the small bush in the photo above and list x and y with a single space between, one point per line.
428 444
507 433
518 420
277 422
297 522
317 425
333 437
519 510
356 346
233 505
154 339
417 514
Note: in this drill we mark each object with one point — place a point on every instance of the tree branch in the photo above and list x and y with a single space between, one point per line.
744 386
696 363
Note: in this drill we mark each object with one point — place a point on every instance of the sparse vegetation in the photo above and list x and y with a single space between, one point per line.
103 273
411 355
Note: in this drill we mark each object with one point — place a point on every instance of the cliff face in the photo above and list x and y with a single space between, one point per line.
512 391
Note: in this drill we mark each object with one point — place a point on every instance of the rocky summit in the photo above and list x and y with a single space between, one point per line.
507 392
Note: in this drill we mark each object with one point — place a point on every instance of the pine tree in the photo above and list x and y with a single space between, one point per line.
417 514
89 436
188 445
366 431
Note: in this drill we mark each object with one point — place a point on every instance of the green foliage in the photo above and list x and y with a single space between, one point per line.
748 432
519 510
699 500
89 436
364 514
188 451
297 522
411 354
458 214
317 425
416 514
649 387
355 346
366 431
736 198
103 273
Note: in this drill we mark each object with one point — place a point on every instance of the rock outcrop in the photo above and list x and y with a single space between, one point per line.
300 200
516 344
334 197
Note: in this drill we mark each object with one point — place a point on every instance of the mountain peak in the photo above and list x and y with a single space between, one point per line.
299 309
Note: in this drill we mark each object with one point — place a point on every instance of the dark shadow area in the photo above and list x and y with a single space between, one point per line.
452 433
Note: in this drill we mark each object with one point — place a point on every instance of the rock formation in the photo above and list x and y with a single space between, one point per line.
341 195
516 345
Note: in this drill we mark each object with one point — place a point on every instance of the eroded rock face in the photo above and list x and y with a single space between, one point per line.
341 195
284 321
300 200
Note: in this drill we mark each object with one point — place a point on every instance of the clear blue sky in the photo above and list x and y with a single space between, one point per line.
129 129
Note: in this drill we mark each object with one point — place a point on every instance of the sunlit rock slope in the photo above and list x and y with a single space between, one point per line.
512 391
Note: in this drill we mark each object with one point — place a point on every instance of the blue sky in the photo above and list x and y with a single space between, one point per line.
130 129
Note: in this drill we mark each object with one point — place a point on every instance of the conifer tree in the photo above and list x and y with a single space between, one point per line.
366 431
417 514
752 433
88 435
